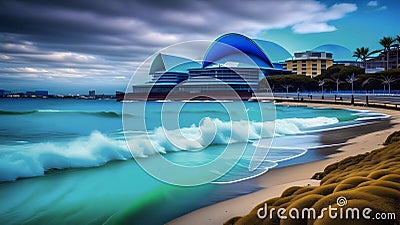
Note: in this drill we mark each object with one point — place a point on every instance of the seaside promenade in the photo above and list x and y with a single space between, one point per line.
387 101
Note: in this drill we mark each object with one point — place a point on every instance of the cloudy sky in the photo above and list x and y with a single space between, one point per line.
71 46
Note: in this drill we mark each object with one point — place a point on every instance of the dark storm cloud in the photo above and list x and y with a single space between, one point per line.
146 23
73 37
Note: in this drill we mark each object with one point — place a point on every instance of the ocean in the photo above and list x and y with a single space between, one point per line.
66 161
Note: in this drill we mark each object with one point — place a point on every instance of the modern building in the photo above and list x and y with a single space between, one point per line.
309 63
232 61
379 63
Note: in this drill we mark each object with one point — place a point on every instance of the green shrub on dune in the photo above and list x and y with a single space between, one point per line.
304 190
378 174
393 138
343 187
382 183
289 191
370 180
325 189
283 200
392 177
350 183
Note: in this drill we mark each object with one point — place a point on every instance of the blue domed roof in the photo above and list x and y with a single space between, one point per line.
340 53
238 48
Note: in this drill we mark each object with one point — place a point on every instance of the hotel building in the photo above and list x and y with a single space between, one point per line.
309 63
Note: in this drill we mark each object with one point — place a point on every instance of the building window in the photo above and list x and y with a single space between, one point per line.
316 54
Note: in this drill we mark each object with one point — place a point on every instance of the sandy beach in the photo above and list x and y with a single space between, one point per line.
274 182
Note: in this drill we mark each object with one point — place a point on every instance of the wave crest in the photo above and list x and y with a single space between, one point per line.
29 160
34 159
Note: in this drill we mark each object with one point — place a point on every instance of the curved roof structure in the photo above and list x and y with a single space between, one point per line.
232 46
276 53
340 53
171 63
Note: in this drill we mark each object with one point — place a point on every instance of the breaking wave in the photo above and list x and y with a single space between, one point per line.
34 159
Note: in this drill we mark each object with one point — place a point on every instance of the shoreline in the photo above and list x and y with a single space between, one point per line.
275 181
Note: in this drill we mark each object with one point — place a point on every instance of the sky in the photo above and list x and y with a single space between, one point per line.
72 46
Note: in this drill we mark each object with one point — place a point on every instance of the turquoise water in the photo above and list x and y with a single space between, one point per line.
66 161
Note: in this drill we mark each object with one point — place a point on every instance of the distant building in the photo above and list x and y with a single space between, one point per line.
41 93
309 63
378 63
92 93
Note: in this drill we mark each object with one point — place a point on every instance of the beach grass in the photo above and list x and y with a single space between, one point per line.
369 180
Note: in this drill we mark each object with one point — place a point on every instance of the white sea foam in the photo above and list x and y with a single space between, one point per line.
33 159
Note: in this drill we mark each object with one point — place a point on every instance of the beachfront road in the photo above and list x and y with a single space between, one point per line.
345 97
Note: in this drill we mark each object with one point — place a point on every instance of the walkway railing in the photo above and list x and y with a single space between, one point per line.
388 101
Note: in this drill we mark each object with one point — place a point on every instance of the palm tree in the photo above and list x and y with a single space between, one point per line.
321 84
337 81
365 82
351 79
387 80
386 43
364 54
287 86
